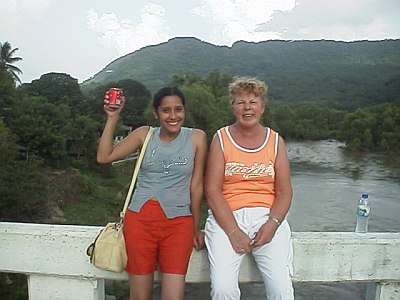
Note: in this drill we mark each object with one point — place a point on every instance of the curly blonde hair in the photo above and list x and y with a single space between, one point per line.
247 85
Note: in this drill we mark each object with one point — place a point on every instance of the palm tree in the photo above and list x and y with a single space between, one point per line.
7 59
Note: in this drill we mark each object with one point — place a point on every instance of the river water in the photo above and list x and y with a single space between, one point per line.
327 183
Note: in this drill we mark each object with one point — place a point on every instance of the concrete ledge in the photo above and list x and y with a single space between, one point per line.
60 250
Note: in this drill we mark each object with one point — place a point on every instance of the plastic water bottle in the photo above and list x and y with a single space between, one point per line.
363 211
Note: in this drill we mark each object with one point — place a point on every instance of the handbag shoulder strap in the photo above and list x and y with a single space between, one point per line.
136 171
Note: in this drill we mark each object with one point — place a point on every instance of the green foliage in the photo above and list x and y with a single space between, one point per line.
8 96
58 88
97 200
49 131
316 122
80 184
13 286
23 193
218 83
283 120
8 145
202 108
137 99
82 137
207 106
373 129
7 61
188 79
354 126
22 189
42 127
118 288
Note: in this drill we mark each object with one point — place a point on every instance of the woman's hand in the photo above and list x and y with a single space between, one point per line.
265 234
198 240
240 241
112 111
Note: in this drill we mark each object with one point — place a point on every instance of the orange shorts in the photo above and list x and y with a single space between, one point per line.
152 239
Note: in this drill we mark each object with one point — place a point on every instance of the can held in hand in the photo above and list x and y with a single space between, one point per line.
114 98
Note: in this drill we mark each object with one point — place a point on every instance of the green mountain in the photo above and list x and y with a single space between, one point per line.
331 73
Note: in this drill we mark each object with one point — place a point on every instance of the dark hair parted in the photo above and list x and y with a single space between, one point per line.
167 91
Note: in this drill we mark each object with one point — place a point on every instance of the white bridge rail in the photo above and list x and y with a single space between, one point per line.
54 259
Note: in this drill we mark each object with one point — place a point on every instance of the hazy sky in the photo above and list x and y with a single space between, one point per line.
80 37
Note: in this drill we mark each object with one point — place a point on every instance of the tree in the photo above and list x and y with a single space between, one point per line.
283 120
7 60
203 110
188 79
8 145
218 83
42 128
58 88
19 179
82 137
356 130
8 96
137 99
207 100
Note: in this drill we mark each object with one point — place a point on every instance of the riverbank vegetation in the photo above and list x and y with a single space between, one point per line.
49 129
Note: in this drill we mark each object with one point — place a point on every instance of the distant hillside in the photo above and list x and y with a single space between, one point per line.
331 73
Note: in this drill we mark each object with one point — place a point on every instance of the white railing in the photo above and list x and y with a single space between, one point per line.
54 259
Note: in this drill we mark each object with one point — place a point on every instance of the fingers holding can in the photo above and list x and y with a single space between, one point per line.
114 98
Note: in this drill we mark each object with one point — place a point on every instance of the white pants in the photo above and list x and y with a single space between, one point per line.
274 260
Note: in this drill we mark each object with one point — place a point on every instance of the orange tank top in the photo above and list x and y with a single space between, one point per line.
249 179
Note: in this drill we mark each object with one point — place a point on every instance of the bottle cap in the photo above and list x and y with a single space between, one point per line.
364 196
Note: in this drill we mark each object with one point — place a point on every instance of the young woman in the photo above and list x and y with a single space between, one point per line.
162 223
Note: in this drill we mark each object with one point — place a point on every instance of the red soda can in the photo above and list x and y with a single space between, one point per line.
114 97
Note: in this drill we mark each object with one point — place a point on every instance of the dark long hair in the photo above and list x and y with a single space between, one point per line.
167 91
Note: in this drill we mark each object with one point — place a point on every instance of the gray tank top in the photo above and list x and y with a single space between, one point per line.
166 173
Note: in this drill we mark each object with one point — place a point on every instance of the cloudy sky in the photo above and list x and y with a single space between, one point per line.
81 37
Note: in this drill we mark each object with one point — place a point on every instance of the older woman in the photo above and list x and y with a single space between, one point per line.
249 192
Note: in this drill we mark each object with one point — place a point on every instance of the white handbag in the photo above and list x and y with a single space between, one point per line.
108 250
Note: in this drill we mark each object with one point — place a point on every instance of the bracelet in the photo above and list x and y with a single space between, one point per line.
233 231
275 220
